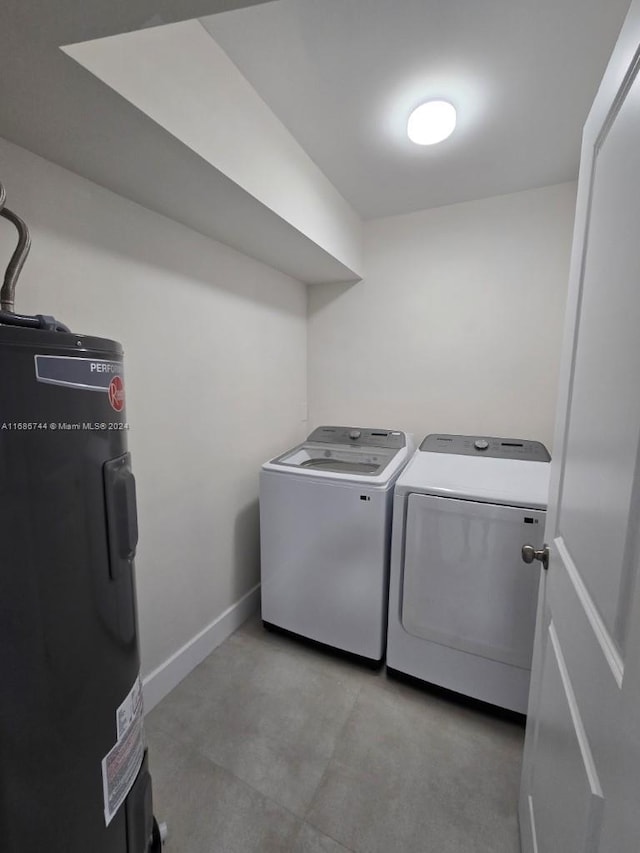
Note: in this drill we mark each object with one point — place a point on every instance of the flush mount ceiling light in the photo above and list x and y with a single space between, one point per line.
431 122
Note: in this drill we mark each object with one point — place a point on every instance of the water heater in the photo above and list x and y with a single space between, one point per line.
73 762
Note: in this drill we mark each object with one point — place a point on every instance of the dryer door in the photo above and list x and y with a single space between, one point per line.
465 585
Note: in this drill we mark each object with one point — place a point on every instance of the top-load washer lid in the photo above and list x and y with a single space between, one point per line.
338 458
353 453
512 472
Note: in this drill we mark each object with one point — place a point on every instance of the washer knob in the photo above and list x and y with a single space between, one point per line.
481 444
354 434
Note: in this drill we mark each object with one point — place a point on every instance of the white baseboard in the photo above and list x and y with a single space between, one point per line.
169 674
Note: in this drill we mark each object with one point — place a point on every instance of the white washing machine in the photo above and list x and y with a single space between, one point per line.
462 604
325 532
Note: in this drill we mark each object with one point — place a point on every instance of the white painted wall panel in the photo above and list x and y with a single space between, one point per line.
457 324
215 365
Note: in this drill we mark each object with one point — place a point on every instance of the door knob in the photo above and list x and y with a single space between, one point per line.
529 554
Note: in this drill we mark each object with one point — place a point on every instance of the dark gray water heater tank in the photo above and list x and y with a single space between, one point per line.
73 766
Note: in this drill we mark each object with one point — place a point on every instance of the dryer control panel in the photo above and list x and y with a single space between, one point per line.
480 445
358 436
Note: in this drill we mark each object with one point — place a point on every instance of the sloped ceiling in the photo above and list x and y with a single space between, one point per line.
52 106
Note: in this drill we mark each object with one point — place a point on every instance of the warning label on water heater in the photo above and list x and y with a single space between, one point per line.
121 764
130 709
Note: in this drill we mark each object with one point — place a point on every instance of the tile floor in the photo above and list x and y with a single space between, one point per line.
270 745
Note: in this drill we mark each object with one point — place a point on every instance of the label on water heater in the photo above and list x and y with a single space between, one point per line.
116 393
88 374
121 765
130 709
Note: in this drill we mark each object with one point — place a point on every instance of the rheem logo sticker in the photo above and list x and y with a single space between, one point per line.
116 393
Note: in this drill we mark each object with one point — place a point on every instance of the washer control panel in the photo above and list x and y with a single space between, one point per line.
480 445
358 436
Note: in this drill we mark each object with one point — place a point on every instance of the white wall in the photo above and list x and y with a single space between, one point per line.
215 363
457 324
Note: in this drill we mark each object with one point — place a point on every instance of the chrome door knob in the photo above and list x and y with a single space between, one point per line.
529 554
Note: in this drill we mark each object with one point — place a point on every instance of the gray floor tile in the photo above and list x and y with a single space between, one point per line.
267 731
416 772
263 714
208 810
314 657
309 840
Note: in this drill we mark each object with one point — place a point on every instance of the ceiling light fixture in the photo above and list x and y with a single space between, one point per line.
431 122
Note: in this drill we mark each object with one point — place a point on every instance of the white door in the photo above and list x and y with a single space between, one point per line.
581 774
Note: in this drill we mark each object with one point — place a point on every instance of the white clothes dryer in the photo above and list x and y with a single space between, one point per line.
325 533
462 604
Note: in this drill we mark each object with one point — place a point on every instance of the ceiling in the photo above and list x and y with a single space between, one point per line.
54 107
343 75
51 106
